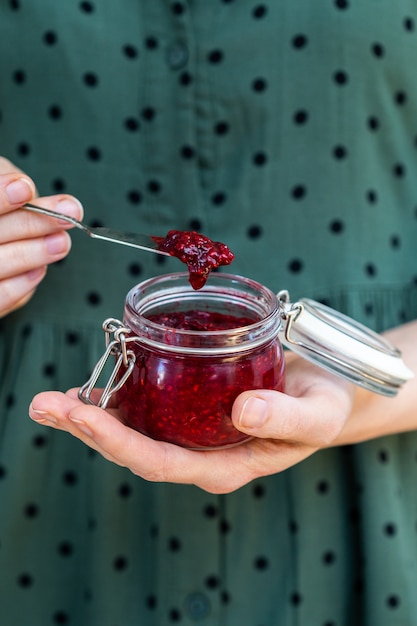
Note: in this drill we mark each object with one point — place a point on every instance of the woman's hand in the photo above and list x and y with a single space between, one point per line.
295 426
28 242
317 411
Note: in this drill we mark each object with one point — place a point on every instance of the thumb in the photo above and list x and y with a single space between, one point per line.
314 419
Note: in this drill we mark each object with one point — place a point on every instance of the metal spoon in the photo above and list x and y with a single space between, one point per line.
144 242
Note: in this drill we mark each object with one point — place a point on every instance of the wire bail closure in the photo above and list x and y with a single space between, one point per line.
116 346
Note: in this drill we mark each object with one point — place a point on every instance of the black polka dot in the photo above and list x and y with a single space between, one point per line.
298 192
212 582
390 529
19 77
187 152
120 563
23 149
300 117
323 487
259 84
372 196
258 491
260 158
151 602
70 478
60 617
131 124
339 152
409 24
341 77
93 153
373 123
218 198
72 338
195 224
299 41
393 601
341 4
221 128
178 8
370 270
395 241
399 170
134 269
130 51
210 511
295 598
134 196
295 266
254 231
293 527
55 112
174 615
378 50
49 370
336 227
224 526
261 563
90 79
329 558
400 98
215 56
39 441
58 185
93 298
174 544
25 580
87 7
31 510
259 11
65 549
148 113
185 79
154 186
151 43
50 38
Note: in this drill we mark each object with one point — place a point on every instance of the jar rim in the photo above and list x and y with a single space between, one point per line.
175 288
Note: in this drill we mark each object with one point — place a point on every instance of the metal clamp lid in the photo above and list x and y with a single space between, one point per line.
341 345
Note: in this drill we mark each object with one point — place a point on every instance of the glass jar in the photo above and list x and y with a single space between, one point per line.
181 357
195 351
191 353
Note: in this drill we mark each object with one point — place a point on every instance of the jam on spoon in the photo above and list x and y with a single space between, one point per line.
201 254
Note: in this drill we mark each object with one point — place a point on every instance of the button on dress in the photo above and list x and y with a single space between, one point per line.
286 129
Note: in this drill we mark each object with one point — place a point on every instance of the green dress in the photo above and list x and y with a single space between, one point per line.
287 129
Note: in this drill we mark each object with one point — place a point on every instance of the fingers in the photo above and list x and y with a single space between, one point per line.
312 412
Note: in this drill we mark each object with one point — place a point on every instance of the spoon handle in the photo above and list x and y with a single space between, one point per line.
134 240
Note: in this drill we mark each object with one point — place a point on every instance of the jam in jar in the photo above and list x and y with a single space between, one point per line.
194 353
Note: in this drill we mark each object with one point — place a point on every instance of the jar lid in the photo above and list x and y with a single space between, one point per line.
342 346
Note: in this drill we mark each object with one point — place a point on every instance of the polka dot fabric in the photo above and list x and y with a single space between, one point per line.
287 130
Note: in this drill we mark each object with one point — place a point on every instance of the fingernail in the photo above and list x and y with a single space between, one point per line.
81 425
19 191
42 417
71 207
56 243
35 274
254 413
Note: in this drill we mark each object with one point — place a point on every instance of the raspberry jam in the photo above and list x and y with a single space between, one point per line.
195 352
201 254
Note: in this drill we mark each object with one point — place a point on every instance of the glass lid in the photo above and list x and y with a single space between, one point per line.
342 345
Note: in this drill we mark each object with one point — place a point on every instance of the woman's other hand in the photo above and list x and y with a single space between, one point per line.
28 242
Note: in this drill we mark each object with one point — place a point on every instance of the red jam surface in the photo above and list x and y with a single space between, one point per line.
198 252
187 399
